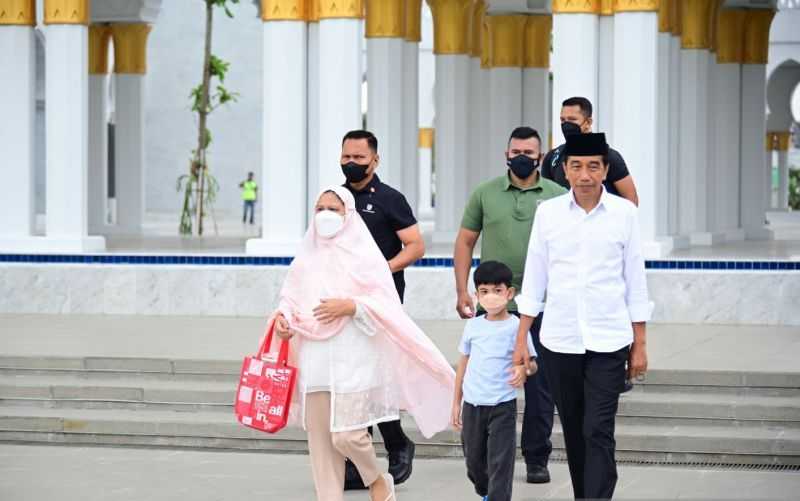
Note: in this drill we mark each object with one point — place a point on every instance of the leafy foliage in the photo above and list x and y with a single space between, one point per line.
199 187
794 189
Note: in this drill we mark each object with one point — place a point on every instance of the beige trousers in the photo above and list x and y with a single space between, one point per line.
329 450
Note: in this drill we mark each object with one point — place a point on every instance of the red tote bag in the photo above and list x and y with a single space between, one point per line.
265 388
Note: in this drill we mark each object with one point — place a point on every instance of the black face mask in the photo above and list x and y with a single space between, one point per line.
522 165
355 173
569 128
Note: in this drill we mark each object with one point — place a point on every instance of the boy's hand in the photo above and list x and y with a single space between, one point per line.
518 375
455 416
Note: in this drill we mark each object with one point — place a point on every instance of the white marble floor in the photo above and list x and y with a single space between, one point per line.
229 237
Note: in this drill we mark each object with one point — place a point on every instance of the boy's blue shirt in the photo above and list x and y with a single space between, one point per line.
490 347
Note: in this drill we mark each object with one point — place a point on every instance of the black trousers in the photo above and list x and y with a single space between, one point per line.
586 389
394 437
537 421
489 441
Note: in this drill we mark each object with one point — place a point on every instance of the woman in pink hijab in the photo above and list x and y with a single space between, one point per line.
361 359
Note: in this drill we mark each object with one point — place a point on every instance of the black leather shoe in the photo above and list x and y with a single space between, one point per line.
538 474
400 463
352 479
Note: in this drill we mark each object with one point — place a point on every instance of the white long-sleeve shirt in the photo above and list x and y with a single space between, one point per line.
592 268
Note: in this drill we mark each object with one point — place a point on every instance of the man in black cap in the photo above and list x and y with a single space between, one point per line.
576 118
585 252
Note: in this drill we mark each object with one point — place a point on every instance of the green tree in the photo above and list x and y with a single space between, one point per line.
794 189
199 186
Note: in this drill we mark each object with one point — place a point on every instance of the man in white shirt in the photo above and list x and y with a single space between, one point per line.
585 253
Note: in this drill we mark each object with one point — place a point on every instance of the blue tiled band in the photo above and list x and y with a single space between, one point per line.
428 262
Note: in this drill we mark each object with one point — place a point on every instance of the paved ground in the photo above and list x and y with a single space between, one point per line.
33 473
670 346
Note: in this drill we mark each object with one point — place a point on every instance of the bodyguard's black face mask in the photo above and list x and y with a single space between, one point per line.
569 128
522 165
354 173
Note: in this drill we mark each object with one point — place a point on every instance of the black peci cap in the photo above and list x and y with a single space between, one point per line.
584 145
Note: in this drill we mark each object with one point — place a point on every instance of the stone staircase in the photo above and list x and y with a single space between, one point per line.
674 417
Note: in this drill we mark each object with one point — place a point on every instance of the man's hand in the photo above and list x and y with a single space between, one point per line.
329 310
465 306
455 416
637 361
519 373
282 327
521 355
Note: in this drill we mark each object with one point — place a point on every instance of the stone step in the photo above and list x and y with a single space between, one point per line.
216 430
658 380
75 391
629 413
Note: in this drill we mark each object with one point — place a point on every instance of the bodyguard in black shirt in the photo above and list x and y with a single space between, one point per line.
392 224
576 118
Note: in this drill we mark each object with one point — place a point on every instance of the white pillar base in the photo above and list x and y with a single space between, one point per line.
266 247
659 248
707 238
70 245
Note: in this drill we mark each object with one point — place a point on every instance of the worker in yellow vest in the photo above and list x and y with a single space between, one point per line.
249 195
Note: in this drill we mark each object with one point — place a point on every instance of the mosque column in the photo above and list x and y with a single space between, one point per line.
425 151
664 171
17 92
385 32
409 168
636 43
712 234
66 123
451 46
604 106
756 172
488 158
694 122
506 35
99 38
478 110
673 134
312 111
536 75
779 143
727 104
575 63
284 147
339 90
130 67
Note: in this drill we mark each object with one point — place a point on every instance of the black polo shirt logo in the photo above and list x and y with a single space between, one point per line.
369 209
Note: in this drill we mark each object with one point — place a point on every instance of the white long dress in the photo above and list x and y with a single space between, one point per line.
350 366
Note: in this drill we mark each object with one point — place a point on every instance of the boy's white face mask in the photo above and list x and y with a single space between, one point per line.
328 223
493 303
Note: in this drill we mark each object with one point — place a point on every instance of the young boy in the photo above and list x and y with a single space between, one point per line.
488 418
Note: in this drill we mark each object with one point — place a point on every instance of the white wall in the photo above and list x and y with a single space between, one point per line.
175 52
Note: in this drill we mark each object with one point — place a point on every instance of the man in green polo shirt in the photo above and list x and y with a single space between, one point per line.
502 210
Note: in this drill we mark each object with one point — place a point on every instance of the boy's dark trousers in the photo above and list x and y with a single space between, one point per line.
489 440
